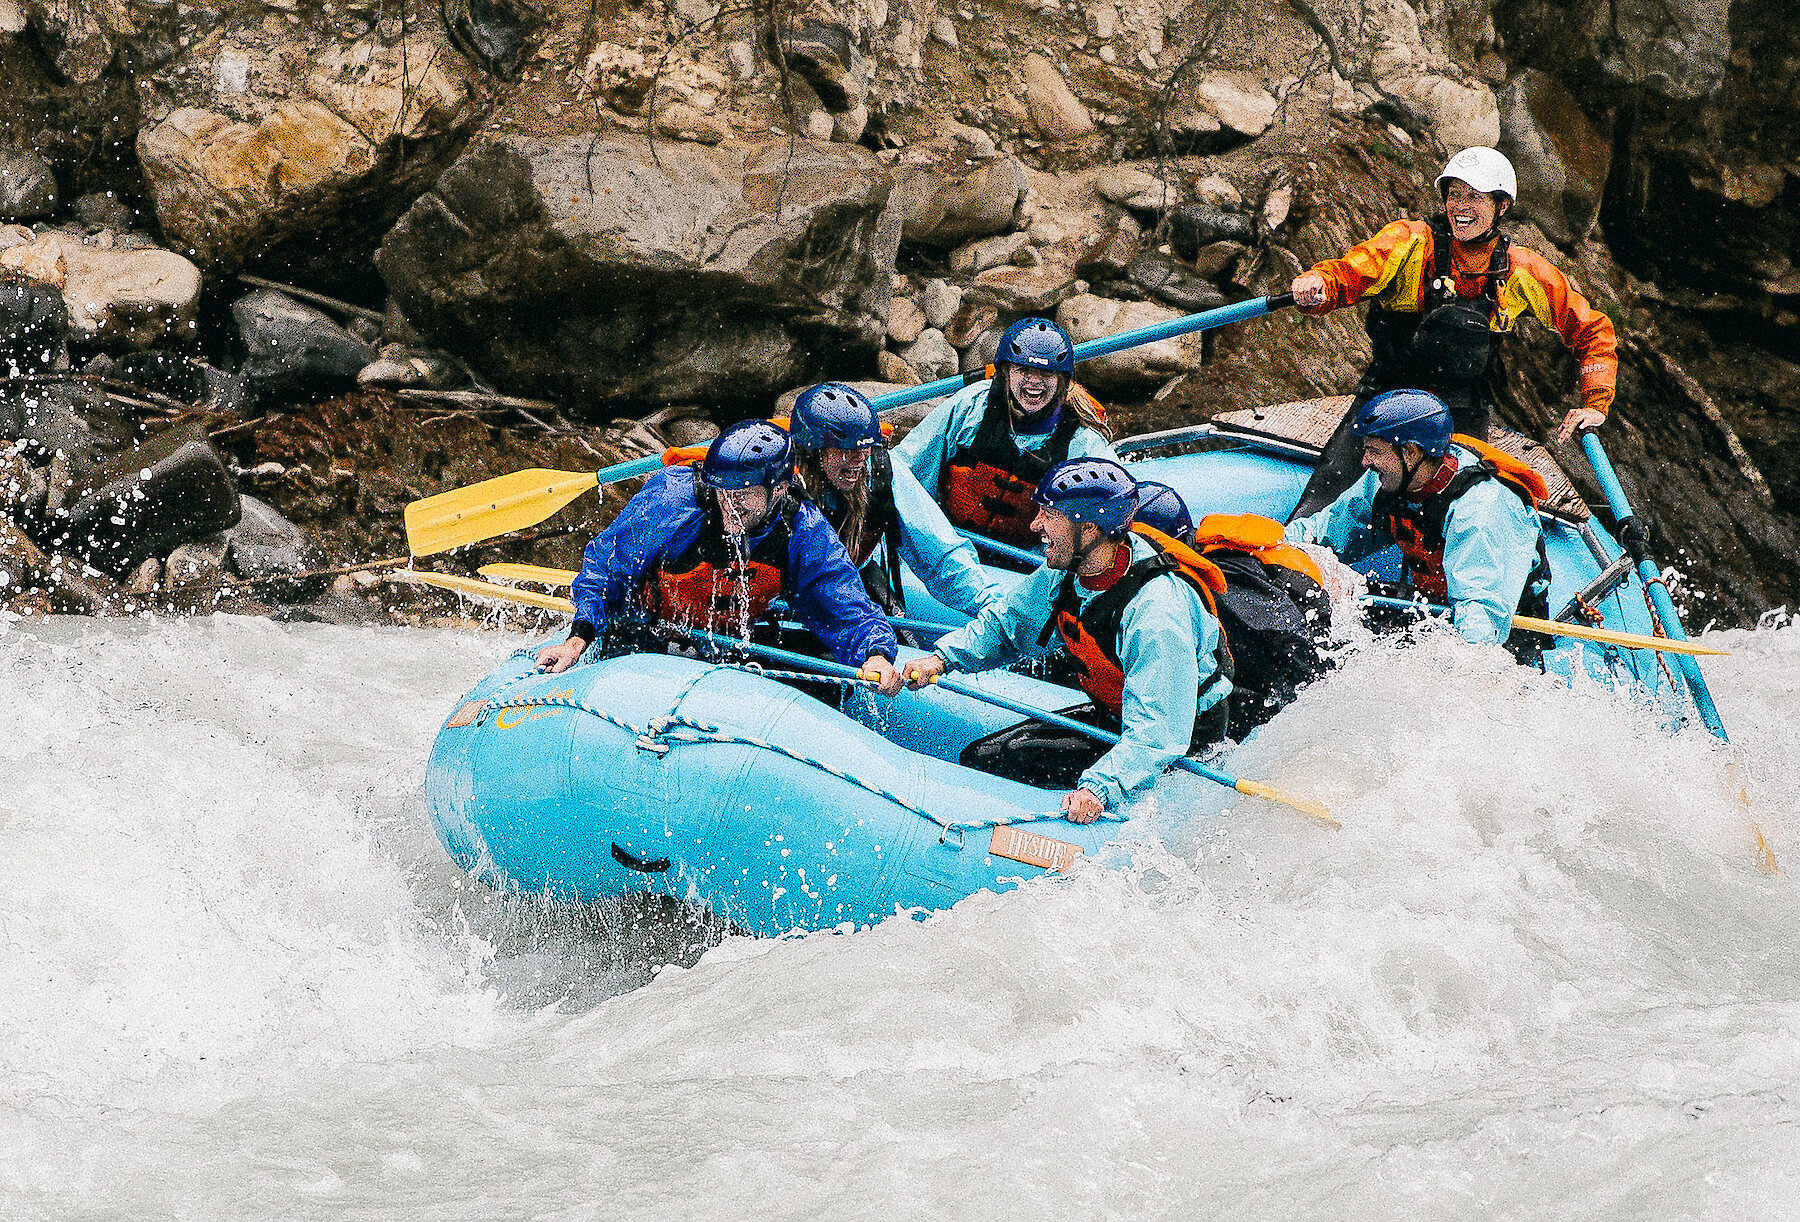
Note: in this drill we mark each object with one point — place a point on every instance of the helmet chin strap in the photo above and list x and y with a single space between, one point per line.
1082 553
1407 472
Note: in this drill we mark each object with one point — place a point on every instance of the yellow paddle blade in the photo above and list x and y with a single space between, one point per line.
1305 806
493 507
486 589
528 572
1607 636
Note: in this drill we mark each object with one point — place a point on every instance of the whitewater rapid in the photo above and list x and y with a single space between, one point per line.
1538 973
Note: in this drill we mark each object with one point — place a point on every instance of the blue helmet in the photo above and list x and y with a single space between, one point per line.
1161 508
834 416
1402 416
1037 343
1095 490
749 454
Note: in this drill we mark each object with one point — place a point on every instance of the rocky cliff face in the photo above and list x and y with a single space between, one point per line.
668 205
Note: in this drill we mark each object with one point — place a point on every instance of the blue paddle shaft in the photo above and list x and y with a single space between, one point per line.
619 472
1014 706
1651 576
1206 320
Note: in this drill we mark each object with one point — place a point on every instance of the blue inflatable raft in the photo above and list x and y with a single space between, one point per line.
722 786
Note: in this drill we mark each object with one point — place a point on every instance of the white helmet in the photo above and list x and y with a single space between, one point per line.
1484 169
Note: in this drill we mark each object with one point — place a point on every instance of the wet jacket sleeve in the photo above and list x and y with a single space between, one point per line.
662 518
1166 644
828 596
1535 284
1006 631
938 556
1369 268
1490 544
950 427
1345 525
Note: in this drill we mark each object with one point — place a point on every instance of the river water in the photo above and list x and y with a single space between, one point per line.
1537 974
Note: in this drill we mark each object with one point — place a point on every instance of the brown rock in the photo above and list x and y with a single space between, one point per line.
905 320
1026 290
891 368
1057 112
227 189
972 317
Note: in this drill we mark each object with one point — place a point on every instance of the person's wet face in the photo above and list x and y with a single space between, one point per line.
844 469
1387 461
746 510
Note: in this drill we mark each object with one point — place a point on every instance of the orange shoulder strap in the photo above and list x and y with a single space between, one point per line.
1261 537
1185 556
1515 470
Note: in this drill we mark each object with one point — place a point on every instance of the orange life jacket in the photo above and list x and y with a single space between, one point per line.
1419 527
1259 536
987 487
1091 633
713 588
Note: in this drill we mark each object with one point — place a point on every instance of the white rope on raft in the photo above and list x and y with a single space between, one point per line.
657 737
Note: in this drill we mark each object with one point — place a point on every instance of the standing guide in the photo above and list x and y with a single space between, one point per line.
1443 293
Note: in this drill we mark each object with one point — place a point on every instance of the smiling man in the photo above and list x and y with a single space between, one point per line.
1134 611
982 452
1443 292
1468 528
710 548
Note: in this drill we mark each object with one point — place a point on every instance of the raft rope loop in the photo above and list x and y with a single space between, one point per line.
661 735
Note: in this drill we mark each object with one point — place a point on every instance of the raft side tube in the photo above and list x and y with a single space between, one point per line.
538 798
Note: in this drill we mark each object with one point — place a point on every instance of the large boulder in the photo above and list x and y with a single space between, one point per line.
1561 159
339 153
603 272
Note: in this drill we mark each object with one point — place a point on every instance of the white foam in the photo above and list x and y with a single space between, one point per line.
1537 973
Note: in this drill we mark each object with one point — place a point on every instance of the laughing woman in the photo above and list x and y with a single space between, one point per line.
1443 293
982 453
877 507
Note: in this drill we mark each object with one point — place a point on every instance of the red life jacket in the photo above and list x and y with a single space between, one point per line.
1091 633
987 487
1418 527
713 588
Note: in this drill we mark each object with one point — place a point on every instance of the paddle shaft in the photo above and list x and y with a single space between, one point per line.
1013 706
1106 345
1650 573
463 516
1580 632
